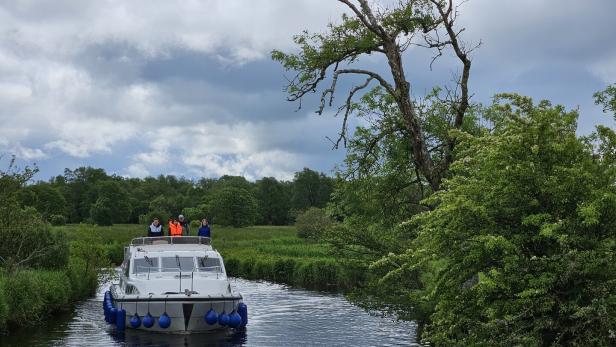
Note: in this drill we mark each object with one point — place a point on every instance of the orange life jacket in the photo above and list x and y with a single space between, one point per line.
175 229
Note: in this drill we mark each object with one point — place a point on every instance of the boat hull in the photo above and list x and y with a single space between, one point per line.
187 314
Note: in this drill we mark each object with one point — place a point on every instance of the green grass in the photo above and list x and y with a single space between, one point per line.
273 253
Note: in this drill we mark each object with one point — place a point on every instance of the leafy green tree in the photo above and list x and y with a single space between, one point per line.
274 201
101 212
520 246
115 193
79 191
607 98
46 199
234 206
310 189
25 238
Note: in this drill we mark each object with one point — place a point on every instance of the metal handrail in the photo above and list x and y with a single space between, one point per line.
156 269
171 240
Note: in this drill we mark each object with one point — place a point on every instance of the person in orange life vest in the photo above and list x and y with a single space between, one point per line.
175 229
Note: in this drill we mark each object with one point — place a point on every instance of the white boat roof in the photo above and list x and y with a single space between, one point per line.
171 244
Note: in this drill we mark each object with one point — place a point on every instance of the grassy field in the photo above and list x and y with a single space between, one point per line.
262 252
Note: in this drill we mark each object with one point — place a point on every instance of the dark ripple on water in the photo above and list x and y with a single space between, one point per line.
278 316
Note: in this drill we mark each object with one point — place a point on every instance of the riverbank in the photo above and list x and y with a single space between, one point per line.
29 296
272 253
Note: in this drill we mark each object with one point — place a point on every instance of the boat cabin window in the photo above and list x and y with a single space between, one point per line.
209 264
176 264
145 265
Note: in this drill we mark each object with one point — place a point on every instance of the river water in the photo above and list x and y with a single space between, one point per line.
277 316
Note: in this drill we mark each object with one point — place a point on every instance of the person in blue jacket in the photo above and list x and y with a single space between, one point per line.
204 230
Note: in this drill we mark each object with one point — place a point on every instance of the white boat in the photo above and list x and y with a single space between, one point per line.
173 284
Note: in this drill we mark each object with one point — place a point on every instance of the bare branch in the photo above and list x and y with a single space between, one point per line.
347 107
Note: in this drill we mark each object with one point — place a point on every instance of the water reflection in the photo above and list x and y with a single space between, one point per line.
278 316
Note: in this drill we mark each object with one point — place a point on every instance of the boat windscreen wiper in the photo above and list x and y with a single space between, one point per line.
149 260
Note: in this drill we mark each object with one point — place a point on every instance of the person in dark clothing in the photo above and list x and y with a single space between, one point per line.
204 230
155 229
185 227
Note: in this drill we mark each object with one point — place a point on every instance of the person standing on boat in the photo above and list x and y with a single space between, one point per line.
175 229
204 230
184 224
155 229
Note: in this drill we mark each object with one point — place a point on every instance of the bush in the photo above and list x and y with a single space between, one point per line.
57 219
4 307
27 240
312 223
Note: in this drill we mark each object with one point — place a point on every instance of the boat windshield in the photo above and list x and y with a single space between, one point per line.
209 264
145 265
178 264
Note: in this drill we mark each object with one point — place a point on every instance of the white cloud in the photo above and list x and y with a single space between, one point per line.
80 139
137 170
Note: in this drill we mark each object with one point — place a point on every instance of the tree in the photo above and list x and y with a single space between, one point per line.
273 200
113 192
389 33
520 246
234 206
46 199
310 189
101 212
607 98
25 238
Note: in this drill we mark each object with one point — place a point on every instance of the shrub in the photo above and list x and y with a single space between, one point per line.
57 219
26 240
23 296
4 308
312 223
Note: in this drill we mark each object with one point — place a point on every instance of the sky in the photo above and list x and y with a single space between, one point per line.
148 87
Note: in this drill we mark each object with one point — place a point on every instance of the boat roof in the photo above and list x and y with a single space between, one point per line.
171 240
171 244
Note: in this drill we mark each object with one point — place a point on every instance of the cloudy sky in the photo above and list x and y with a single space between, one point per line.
149 87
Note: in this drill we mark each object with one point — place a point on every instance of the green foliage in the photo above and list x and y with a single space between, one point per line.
4 307
29 296
57 219
119 204
607 98
91 195
274 201
101 212
310 189
234 206
47 200
312 223
26 240
519 248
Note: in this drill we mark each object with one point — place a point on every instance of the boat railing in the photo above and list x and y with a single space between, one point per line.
146 269
171 240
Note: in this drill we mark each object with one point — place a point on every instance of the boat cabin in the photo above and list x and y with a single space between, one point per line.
172 265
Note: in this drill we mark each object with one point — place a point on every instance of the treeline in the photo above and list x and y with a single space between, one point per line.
90 195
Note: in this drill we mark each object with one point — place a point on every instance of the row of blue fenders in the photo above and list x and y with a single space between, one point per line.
238 318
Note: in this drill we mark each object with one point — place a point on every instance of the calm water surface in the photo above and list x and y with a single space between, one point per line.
277 316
